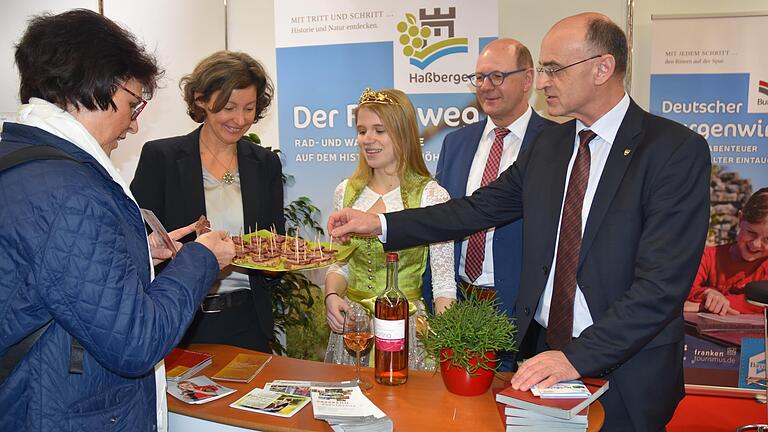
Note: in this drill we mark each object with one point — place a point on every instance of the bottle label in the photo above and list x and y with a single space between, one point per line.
390 334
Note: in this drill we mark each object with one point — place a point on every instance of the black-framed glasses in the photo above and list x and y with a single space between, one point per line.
139 107
551 71
497 77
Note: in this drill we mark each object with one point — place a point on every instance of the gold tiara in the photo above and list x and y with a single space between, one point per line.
370 96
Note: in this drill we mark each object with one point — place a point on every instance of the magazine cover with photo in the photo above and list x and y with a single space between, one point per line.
197 390
269 402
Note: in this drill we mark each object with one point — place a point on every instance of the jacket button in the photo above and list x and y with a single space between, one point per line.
527 311
545 269
370 286
113 420
370 277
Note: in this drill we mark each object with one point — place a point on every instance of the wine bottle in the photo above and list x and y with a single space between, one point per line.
391 330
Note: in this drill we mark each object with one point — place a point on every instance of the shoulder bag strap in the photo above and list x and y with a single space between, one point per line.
17 352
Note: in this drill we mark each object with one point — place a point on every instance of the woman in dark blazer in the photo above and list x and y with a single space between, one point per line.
213 171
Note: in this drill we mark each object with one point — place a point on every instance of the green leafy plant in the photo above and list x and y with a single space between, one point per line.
302 213
469 328
292 297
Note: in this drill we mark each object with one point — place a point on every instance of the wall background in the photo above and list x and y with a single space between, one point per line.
183 32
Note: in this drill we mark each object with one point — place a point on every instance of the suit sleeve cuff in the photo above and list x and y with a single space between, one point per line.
383 222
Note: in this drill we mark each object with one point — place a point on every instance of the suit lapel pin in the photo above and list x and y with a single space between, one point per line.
627 152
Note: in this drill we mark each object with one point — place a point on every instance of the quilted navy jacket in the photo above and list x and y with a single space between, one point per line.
73 249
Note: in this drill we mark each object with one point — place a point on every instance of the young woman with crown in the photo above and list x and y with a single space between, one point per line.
390 176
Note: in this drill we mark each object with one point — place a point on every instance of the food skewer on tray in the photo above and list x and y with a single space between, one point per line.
268 250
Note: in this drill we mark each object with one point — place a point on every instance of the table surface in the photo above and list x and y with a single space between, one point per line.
423 403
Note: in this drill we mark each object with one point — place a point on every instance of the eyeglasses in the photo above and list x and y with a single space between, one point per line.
551 71
139 107
497 77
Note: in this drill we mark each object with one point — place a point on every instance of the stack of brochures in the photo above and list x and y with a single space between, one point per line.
562 407
181 364
277 398
344 406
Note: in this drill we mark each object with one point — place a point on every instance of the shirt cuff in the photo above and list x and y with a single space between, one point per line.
383 222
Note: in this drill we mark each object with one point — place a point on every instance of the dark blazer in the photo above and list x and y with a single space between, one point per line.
453 167
640 251
169 181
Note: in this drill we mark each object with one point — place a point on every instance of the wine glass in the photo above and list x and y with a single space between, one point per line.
358 336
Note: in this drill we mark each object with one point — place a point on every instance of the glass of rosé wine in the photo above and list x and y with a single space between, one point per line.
358 337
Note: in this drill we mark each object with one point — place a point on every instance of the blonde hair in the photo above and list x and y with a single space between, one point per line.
399 119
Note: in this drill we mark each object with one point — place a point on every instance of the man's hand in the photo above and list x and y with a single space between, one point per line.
158 249
545 369
220 244
349 221
714 301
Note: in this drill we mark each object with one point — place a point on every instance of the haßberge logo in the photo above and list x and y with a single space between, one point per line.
430 37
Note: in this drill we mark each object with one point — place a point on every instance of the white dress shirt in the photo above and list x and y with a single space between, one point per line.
224 209
510 150
606 128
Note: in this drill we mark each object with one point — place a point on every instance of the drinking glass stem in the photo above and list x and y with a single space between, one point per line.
357 364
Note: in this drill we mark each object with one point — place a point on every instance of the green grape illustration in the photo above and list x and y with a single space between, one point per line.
412 37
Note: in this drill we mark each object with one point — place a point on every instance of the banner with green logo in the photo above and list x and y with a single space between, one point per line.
328 52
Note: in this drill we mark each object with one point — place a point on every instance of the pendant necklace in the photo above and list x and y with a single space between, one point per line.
228 178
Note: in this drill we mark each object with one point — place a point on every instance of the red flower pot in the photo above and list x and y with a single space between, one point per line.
459 381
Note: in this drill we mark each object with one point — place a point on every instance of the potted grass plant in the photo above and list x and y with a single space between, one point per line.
464 340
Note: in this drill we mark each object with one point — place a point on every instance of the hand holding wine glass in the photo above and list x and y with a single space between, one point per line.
358 336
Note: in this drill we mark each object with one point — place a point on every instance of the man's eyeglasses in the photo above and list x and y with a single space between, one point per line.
139 107
497 77
551 71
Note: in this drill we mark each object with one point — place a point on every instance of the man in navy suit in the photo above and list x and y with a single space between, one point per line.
503 78
641 218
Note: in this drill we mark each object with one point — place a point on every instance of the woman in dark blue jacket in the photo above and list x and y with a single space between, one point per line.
73 248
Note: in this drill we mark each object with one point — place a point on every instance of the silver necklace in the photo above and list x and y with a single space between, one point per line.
228 178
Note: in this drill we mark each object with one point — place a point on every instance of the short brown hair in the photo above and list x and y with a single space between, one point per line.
524 57
608 38
79 58
225 71
399 119
755 211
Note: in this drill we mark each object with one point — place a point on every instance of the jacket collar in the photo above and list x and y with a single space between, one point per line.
628 137
250 164
30 136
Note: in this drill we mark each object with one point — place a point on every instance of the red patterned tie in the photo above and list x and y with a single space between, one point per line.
560 325
473 266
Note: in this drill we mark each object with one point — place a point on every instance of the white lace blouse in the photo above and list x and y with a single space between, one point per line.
440 254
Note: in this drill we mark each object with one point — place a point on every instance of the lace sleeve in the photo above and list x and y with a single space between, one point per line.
338 195
339 267
440 254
